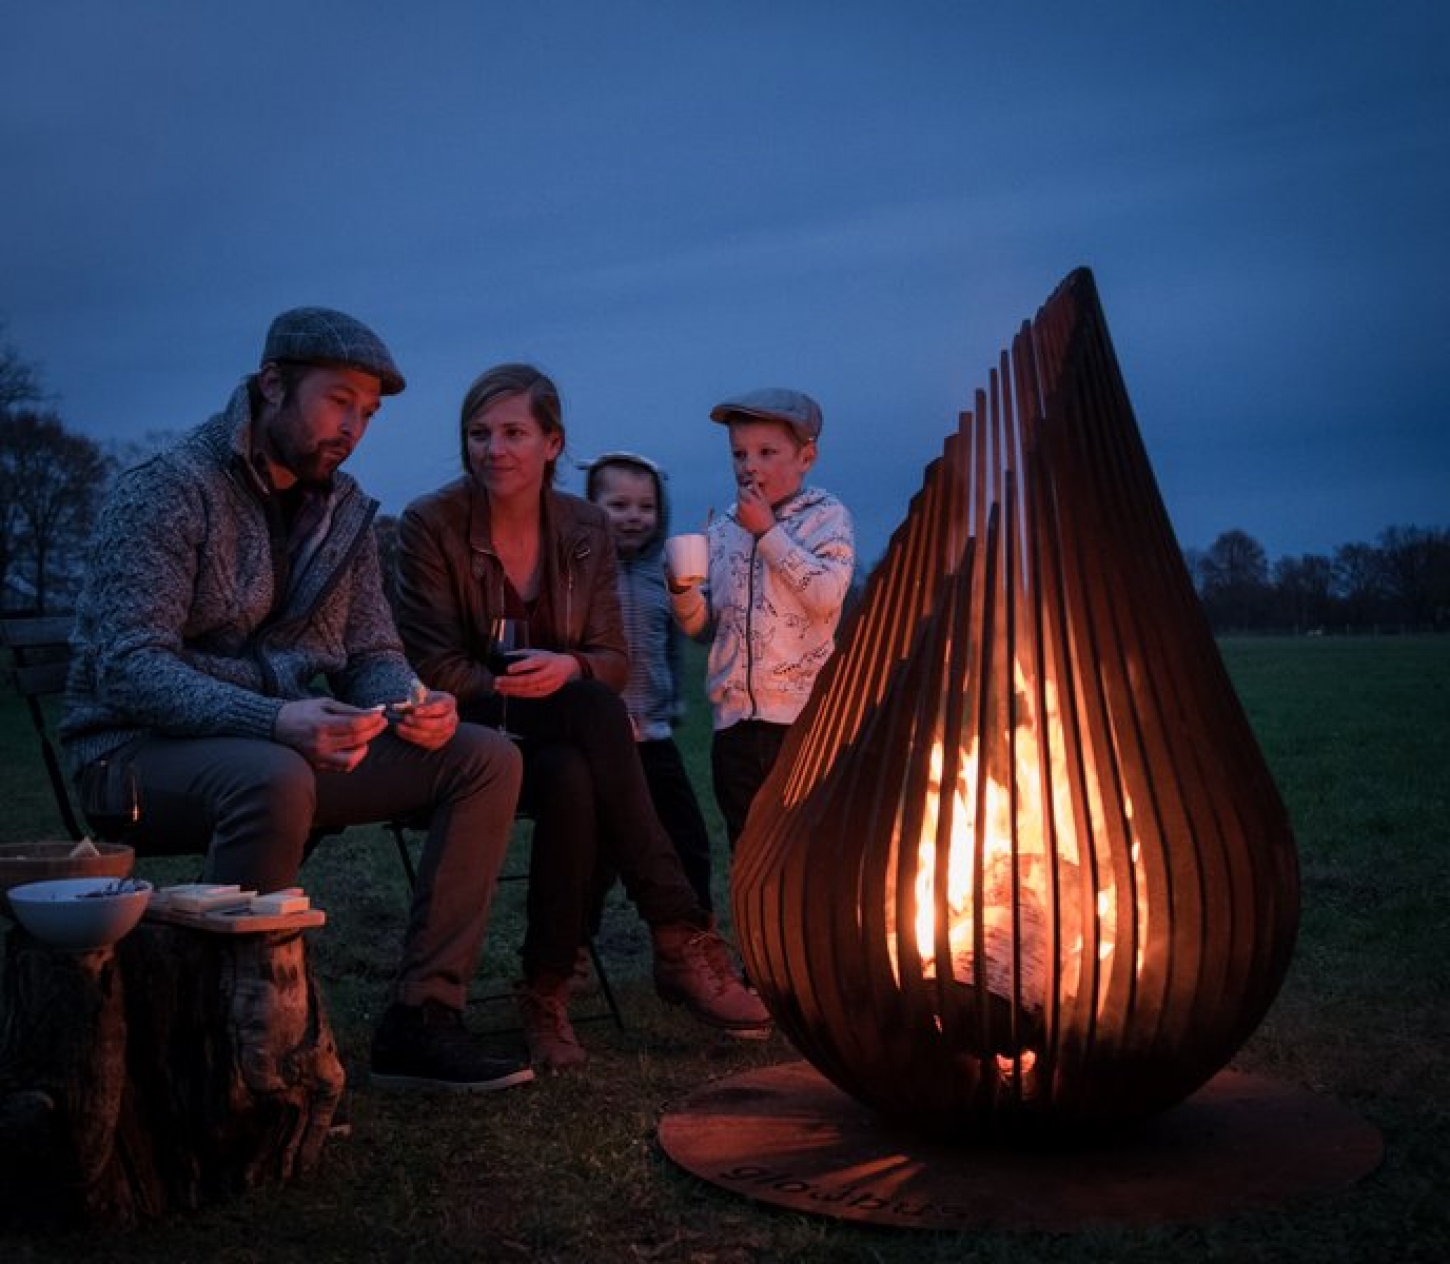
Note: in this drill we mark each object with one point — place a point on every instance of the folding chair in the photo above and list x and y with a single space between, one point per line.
40 657
399 830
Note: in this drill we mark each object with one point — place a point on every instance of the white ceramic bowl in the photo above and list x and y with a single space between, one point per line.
43 860
79 914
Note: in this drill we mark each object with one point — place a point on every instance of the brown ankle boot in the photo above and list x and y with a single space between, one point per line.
693 969
544 1013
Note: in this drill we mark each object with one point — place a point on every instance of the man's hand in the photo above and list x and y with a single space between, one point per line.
536 674
332 735
429 723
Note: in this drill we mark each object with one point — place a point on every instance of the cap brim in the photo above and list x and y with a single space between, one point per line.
725 413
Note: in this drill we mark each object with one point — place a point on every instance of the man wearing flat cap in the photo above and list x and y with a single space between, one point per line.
229 575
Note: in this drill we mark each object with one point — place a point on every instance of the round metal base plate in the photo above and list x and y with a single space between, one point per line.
785 1135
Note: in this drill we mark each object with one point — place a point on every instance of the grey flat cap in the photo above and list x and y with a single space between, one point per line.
774 403
319 335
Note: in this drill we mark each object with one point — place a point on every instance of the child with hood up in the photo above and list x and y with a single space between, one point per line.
631 490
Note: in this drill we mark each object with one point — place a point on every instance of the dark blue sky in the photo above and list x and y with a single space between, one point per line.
662 204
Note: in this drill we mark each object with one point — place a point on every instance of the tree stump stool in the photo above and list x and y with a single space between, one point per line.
177 1068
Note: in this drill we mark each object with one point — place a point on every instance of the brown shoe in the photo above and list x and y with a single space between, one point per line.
544 1013
579 979
693 969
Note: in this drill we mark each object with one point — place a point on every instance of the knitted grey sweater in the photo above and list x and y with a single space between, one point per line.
176 631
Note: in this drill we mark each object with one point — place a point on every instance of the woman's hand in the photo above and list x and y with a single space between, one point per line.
536 674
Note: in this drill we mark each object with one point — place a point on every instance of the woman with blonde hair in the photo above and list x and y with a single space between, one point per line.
502 542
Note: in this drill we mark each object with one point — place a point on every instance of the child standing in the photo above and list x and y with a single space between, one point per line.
631 490
781 562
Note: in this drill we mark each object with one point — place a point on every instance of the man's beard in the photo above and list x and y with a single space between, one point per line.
313 467
315 479
313 470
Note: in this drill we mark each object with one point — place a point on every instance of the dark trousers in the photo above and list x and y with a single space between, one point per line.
741 758
252 805
585 788
673 795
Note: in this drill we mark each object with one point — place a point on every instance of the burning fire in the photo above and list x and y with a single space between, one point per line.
1021 876
1021 853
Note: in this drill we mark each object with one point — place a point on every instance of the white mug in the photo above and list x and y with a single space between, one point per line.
688 557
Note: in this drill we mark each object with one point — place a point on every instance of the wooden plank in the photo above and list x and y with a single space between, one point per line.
239 921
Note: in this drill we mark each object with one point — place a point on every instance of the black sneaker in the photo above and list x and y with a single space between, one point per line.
427 1046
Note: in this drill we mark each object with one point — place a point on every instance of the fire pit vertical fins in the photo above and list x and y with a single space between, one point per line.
1021 862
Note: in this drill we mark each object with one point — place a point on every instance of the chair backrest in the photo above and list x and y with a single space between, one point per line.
39 660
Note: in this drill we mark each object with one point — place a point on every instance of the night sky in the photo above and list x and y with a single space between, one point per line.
663 204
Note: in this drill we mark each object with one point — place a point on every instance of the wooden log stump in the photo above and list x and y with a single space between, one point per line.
178 1068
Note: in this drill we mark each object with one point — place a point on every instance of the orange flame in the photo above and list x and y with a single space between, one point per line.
1015 900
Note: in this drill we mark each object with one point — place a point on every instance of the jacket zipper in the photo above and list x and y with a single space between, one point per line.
750 630
268 631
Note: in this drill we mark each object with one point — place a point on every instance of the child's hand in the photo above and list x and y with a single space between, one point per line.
676 583
752 510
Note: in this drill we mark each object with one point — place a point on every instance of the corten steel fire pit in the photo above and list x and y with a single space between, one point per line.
1021 862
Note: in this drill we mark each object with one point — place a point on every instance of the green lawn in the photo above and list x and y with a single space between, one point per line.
1358 735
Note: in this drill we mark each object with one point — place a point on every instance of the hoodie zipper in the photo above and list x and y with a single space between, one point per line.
750 630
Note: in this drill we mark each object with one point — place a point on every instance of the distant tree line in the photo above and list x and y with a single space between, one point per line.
1401 583
52 482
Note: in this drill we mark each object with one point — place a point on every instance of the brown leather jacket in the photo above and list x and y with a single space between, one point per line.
451 583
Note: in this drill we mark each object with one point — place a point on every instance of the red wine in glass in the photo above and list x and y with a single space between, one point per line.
111 800
508 638
498 660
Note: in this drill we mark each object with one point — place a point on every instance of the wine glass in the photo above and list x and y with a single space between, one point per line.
507 639
111 799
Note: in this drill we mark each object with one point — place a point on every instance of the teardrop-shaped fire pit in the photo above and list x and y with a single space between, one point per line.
1022 864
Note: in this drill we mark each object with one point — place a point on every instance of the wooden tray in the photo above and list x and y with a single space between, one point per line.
239 921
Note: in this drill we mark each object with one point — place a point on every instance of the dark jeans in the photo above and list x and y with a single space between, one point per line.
252 805
741 758
673 796
585 788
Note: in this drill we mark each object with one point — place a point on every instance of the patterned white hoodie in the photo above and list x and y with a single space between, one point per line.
770 607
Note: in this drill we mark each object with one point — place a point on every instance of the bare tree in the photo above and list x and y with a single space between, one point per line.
19 379
19 384
1359 581
51 481
1235 581
1193 560
1303 591
1415 562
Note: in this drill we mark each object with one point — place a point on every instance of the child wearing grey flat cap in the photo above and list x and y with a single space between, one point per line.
781 562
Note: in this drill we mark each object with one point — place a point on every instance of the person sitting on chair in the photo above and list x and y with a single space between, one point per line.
501 542
227 575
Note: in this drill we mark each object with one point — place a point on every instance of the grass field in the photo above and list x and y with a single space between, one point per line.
1358 735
